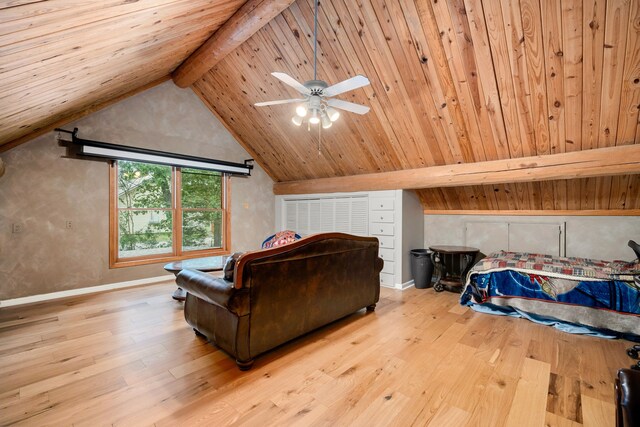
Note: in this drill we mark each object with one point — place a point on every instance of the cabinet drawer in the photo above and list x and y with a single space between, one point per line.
386 279
386 254
386 241
388 267
382 204
381 229
382 216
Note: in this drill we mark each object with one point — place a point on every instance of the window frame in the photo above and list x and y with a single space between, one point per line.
176 250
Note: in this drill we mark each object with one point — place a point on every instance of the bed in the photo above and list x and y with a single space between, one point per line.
576 295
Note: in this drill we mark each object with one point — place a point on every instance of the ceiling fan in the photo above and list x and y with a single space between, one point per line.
318 103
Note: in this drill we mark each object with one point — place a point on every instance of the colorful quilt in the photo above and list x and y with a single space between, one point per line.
601 295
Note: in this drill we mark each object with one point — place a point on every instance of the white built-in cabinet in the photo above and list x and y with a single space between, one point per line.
383 215
395 217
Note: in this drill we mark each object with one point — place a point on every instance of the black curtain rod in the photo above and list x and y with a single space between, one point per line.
167 156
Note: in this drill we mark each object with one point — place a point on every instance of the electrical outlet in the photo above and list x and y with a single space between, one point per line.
68 225
16 228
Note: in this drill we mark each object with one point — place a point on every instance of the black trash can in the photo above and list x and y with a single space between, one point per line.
421 268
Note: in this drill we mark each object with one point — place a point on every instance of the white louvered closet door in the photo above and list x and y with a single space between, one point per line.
327 215
291 214
303 218
315 216
337 214
342 219
359 216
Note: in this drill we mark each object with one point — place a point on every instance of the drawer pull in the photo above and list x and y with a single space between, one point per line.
381 217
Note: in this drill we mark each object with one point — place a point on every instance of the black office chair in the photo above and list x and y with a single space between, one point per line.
636 247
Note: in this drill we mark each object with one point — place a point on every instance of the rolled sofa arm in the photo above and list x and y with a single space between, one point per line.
212 289
379 265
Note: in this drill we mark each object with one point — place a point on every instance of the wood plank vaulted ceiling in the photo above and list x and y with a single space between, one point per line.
454 81
60 57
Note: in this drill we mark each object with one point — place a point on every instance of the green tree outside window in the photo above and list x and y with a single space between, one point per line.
148 214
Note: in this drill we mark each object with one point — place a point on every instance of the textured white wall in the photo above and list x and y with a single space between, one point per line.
412 230
599 237
41 190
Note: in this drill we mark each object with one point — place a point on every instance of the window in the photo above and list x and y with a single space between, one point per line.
161 213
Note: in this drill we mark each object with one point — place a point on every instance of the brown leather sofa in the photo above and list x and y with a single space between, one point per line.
628 398
281 293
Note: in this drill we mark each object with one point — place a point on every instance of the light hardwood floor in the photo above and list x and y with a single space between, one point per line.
128 358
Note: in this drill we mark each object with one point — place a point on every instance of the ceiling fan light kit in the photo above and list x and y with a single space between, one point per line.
315 118
297 120
333 114
301 110
317 93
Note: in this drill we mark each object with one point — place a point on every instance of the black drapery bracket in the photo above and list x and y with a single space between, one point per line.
249 164
110 151
74 132
73 150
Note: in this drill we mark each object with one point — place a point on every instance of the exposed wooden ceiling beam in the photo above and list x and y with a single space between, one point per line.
252 16
579 164
537 212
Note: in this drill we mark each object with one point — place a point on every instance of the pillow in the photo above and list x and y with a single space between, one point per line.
280 238
230 265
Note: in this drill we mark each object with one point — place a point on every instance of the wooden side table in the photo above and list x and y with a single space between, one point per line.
208 264
452 264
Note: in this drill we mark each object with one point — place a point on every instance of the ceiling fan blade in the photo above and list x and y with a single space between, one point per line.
348 106
346 85
287 79
281 101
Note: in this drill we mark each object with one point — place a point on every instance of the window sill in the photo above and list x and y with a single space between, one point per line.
163 259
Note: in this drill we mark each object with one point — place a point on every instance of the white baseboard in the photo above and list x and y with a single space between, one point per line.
399 286
406 285
83 291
